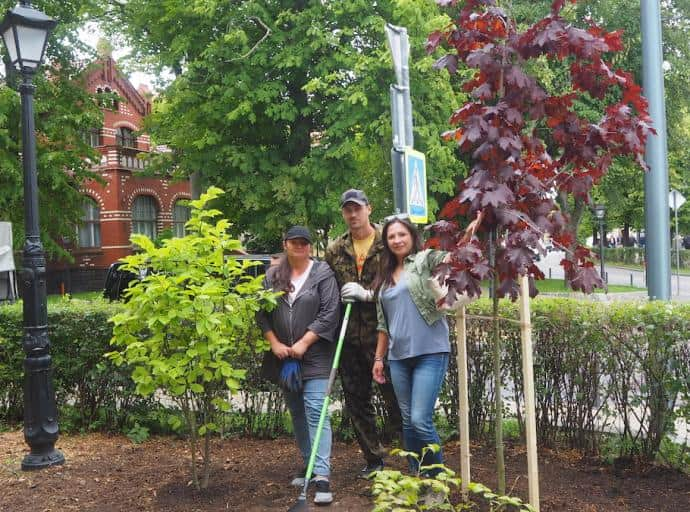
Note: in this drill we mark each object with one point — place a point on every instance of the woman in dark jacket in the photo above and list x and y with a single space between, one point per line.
304 326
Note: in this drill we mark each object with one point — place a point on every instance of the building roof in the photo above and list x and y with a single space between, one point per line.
105 70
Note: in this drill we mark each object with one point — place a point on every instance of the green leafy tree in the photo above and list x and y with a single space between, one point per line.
284 104
65 112
189 319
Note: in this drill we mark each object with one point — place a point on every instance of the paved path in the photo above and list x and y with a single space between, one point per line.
550 265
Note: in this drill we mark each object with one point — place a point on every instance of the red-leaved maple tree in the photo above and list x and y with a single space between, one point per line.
526 145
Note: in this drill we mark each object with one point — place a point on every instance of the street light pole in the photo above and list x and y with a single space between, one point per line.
40 411
22 29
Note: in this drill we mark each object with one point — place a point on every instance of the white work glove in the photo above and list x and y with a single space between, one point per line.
355 292
440 291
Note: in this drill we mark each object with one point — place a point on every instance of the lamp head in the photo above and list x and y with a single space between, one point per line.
25 32
599 211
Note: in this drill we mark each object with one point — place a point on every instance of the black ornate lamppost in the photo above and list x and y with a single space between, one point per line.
25 32
599 211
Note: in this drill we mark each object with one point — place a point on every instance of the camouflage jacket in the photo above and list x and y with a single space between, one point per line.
340 255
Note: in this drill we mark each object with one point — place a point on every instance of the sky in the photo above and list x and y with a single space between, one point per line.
90 34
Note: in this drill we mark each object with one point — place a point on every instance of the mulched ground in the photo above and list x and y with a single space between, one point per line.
109 473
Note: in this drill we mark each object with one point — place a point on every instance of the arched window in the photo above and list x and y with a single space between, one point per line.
125 137
90 227
144 216
181 214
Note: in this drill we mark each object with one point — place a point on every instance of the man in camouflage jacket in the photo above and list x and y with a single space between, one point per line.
355 268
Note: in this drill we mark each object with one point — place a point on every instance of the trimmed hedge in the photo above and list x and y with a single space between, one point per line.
100 395
598 367
635 255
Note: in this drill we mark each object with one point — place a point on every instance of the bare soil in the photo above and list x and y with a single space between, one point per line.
109 473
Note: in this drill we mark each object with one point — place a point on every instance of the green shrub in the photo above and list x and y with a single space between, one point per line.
636 255
91 392
593 362
185 326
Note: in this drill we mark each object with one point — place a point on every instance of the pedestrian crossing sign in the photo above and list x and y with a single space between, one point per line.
415 186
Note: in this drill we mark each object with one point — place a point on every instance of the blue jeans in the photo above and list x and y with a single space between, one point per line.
305 410
417 382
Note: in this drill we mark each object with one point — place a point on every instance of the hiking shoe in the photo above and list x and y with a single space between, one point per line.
369 470
298 480
323 495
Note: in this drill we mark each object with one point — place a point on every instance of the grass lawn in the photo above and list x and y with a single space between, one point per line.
684 271
558 286
52 299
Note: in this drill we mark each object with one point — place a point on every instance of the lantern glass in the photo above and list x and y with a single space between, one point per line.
32 41
8 36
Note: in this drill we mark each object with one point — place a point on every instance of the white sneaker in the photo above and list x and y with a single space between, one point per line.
323 496
298 481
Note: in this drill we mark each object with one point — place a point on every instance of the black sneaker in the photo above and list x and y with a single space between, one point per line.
369 470
323 495
298 480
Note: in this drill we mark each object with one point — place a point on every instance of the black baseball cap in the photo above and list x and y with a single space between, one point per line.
298 232
354 196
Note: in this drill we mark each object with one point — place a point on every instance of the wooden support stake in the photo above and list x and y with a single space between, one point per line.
528 383
463 394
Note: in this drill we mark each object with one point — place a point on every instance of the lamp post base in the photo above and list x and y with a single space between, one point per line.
43 460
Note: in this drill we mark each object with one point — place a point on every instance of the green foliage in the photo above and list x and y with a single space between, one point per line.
186 322
286 104
91 392
138 434
64 113
636 256
593 362
396 492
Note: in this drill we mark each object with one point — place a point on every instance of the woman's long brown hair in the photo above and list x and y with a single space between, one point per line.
388 261
282 275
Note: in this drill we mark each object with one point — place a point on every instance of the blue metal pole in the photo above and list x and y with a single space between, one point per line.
658 243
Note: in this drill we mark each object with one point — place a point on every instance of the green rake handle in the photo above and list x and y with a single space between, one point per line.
326 401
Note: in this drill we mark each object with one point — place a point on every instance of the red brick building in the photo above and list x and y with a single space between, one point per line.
128 202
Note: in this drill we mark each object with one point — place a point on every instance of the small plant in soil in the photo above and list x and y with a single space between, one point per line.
396 491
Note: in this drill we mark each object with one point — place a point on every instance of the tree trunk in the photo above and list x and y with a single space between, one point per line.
207 460
191 422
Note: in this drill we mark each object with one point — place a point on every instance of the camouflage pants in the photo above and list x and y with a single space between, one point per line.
356 362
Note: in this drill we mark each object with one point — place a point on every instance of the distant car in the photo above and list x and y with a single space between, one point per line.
117 280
